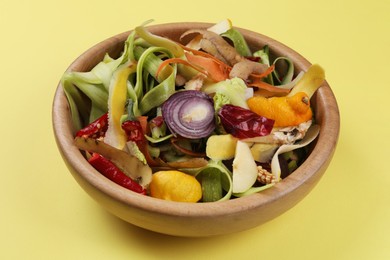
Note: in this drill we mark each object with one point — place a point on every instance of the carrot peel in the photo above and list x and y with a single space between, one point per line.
215 70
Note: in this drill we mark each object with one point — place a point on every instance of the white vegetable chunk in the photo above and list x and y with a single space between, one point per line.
244 168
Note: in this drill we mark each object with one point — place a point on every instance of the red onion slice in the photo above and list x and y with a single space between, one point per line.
190 114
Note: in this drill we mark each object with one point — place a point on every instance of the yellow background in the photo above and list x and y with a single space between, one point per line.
44 214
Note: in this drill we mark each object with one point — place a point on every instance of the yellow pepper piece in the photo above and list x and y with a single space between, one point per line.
310 81
115 135
286 111
175 186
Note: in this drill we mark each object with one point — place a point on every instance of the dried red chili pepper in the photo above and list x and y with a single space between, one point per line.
243 123
95 129
108 169
134 131
99 127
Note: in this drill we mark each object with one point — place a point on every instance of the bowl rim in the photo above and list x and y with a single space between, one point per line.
323 150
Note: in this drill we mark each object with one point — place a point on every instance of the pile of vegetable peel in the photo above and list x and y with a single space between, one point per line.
205 121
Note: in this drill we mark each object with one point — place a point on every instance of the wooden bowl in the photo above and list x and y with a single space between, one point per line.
198 219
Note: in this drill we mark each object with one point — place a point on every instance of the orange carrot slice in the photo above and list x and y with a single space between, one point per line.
216 71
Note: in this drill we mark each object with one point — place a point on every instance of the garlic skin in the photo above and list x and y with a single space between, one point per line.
311 134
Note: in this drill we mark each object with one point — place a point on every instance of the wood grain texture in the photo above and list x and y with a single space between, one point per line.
201 219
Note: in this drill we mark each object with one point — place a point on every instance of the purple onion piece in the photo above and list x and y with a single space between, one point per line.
190 114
